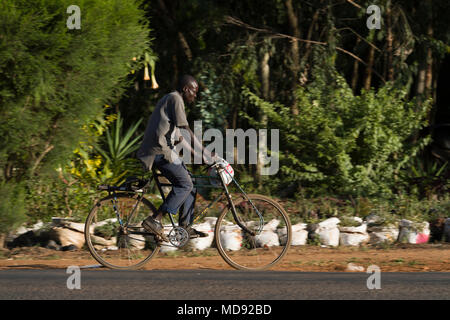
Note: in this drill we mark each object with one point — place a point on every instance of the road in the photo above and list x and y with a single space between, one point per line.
218 285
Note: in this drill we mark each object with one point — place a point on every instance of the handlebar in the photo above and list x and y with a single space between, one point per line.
218 164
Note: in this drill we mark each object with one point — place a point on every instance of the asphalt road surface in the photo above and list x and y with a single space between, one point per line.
218 285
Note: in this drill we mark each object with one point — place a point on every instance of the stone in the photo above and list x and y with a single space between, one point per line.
67 237
351 267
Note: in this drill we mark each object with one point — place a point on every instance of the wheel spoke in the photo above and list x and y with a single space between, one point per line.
120 247
265 218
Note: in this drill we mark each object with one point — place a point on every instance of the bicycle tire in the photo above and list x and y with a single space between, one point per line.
254 254
111 257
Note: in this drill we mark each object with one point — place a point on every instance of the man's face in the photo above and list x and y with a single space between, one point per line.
190 91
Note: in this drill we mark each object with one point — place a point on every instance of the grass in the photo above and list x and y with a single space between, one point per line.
397 261
403 262
354 260
51 257
415 263
210 252
319 263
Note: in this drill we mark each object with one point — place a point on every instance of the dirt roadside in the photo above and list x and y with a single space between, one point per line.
393 258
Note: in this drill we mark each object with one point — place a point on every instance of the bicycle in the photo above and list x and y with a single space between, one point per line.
116 239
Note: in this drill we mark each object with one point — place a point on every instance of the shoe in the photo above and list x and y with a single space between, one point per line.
153 226
195 233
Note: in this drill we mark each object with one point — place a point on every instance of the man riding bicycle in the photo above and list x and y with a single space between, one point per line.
158 149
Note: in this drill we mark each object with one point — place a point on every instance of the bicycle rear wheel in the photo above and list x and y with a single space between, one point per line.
120 243
270 241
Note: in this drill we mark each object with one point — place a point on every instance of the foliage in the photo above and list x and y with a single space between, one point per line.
12 207
425 177
55 80
345 144
53 83
361 147
61 196
388 211
106 231
73 190
116 159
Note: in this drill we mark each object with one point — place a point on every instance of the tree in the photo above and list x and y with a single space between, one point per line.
55 80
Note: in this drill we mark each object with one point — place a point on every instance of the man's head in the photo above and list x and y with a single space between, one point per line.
188 88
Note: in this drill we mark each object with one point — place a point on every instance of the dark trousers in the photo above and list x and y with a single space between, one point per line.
182 196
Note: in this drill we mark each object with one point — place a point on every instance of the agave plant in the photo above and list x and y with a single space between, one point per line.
117 149
428 176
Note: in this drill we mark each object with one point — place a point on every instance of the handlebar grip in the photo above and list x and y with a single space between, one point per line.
222 165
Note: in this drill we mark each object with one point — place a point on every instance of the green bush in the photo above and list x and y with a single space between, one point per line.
341 143
12 207
55 80
61 196
54 83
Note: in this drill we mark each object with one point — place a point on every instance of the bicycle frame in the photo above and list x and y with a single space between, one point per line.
225 192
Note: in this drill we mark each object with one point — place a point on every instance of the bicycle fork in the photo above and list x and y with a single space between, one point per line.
235 216
116 210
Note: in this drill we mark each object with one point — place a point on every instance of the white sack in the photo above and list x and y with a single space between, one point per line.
231 237
202 243
267 239
414 233
299 234
353 239
383 234
328 232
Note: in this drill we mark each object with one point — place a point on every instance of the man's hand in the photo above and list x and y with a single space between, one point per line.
179 140
211 158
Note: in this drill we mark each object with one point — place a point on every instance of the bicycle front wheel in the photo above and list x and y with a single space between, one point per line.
114 234
265 239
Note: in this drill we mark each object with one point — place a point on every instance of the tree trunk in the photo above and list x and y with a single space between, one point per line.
421 80
295 52
355 75
425 73
265 93
307 50
369 68
174 68
171 25
429 72
389 41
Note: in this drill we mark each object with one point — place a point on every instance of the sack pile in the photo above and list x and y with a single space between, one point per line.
354 236
299 234
268 236
326 231
415 233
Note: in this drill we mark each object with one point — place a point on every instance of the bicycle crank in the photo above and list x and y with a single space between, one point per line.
178 237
